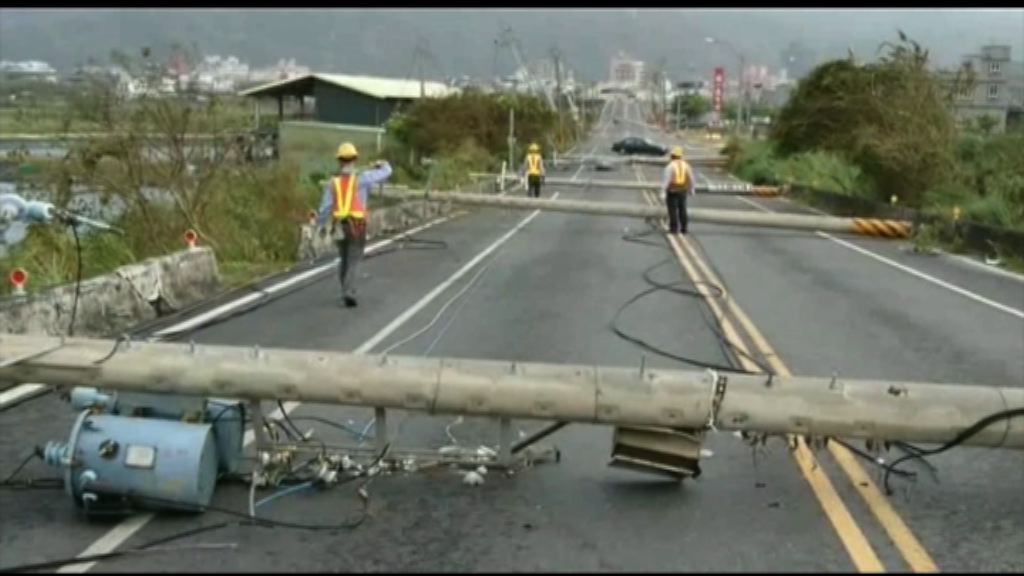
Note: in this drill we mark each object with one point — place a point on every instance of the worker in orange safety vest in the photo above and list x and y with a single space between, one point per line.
533 170
344 202
677 182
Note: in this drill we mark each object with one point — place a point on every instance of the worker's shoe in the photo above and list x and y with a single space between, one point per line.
349 301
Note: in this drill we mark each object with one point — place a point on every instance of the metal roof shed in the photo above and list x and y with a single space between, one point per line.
346 99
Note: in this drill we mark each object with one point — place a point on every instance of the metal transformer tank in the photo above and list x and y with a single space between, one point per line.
111 461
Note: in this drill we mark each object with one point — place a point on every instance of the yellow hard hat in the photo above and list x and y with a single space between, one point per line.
677 152
347 151
534 147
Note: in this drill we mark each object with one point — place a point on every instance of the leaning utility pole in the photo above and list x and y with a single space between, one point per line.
555 55
868 409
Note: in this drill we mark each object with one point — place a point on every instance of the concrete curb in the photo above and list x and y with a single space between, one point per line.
117 301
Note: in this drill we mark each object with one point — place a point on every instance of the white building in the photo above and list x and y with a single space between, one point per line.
28 69
626 72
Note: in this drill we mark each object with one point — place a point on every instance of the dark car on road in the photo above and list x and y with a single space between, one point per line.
634 145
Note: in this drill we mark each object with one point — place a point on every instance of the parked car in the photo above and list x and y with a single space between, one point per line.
634 145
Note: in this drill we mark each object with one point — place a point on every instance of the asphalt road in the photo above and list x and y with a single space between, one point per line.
548 294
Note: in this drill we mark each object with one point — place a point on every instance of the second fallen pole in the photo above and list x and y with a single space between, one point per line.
864 226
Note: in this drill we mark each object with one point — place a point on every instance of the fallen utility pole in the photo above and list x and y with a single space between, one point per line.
868 409
869 227
658 161
742 189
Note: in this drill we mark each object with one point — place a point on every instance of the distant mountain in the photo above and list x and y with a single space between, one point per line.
383 41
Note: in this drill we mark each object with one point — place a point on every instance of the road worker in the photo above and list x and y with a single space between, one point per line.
533 170
677 182
344 201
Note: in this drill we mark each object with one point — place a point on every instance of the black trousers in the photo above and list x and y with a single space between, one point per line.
350 250
676 204
534 185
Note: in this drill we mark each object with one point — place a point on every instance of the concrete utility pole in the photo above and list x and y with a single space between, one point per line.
868 409
868 227
556 56
654 187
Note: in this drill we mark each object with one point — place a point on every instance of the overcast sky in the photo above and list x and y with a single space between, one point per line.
462 41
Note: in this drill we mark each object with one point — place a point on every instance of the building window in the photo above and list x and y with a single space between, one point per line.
993 91
993 67
964 93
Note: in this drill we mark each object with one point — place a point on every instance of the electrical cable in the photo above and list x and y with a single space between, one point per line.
31 483
441 311
341 427
285 492
960 438
113 351
301 435
656 286
92 558
29 458
868 457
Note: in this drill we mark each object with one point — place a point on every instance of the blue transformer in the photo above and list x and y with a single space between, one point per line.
109 459
226 416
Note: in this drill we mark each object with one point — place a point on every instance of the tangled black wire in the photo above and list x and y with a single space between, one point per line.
728 347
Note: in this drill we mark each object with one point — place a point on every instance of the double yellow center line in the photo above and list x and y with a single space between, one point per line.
851 535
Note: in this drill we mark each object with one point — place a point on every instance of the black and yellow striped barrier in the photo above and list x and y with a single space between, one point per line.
884 228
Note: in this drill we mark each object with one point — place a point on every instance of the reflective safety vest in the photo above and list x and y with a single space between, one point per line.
347 203
533 164
678 175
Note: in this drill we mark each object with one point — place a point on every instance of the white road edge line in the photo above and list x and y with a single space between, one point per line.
951 287
123 531
958 257
923 276
220 310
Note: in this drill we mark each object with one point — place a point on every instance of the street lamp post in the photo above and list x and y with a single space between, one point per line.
741 84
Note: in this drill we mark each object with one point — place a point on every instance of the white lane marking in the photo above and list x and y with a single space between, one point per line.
811 208
957 257
108 542
756 205
123 531
220 310
942 283
19 393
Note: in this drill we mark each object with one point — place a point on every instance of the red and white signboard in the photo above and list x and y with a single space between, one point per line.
718 87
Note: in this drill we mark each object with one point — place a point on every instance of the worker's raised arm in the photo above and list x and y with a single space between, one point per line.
326 201
379 173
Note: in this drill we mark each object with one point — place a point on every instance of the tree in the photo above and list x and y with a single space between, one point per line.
149 158
889 117
691 106
986 124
